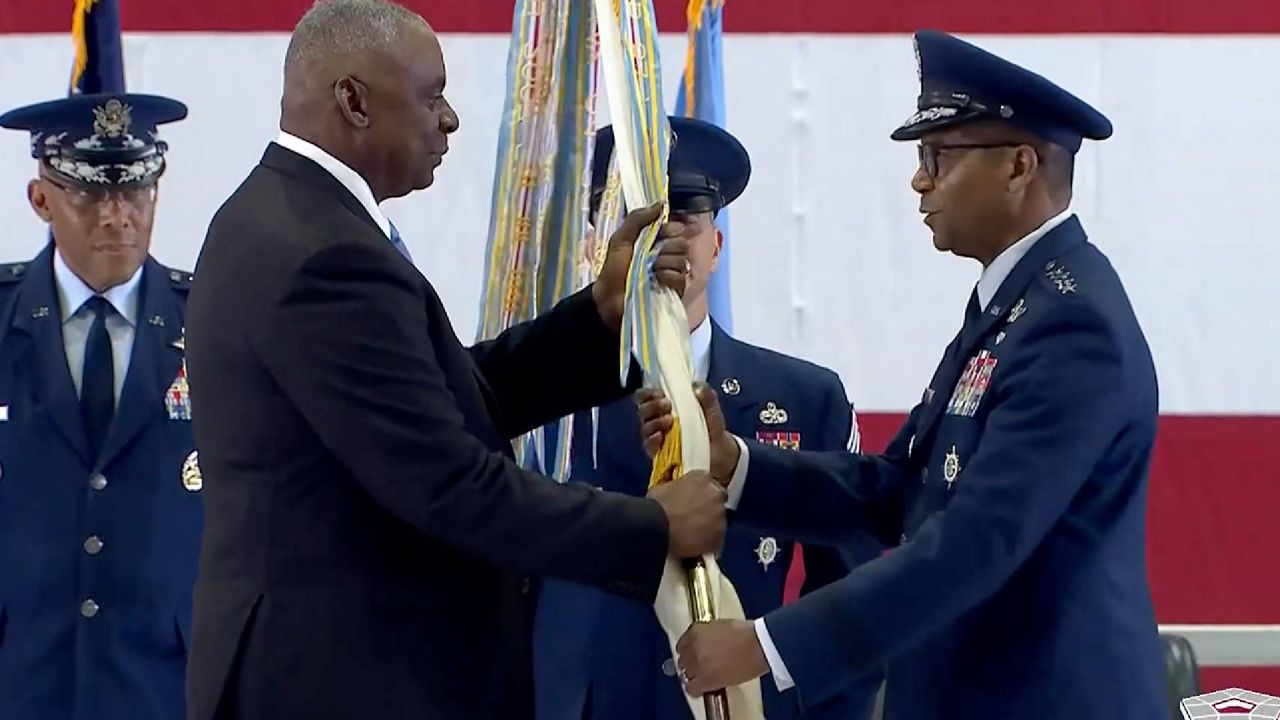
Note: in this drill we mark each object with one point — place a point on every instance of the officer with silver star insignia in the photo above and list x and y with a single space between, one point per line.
1016 491
602 656
100 504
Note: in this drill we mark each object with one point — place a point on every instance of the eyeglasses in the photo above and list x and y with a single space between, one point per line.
87 197
928 153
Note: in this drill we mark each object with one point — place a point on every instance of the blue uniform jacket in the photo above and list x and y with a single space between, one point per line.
97 563
1017 492
598 655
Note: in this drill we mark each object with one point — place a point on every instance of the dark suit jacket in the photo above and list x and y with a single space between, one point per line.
366 528
602 656
1016 492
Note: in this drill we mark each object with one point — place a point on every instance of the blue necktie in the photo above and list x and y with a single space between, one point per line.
97 384
399 243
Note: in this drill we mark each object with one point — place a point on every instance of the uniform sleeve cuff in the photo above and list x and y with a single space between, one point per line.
739 475
777 668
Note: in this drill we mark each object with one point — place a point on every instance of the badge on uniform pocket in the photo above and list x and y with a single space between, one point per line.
972 385
767 551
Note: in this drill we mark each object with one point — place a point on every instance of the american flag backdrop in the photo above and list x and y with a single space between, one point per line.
830 260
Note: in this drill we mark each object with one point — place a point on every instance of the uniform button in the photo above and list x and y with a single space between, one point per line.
524 586
93 545
924 475
902 540
98 481
89 608
669 667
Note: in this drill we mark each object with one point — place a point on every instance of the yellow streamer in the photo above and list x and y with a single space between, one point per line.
78 37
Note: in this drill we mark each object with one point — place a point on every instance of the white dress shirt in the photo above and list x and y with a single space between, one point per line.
994 274
700 350
349 178
73 293
989 283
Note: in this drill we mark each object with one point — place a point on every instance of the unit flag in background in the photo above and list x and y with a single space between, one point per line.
536 252
98 66
655 327
701 96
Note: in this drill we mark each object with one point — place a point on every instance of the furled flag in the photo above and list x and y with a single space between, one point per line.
655 327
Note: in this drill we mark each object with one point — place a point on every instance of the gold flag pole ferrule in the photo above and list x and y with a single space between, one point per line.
702 607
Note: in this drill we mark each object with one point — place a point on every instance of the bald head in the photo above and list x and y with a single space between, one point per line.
364 80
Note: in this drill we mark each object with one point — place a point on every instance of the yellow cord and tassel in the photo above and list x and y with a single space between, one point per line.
666 464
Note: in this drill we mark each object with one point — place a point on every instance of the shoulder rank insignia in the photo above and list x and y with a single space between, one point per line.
772 414
767 551
730 386
784 440
1060 277
13 272
191 478
181 281
951 467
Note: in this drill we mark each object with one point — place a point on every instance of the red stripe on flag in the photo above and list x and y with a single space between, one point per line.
786 16
1211 509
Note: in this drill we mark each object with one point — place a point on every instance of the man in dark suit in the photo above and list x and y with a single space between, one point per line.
99 482
597 655
369 540
1015 492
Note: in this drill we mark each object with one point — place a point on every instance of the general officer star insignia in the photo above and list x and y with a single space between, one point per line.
1060 277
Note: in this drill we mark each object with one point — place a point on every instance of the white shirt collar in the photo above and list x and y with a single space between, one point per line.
73 293
349 178
995 273
700 349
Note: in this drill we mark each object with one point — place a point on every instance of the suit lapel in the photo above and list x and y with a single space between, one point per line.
153 366
1057 242
38 314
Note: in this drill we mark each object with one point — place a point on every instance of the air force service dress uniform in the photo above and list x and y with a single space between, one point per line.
599 655
1016 490
97 549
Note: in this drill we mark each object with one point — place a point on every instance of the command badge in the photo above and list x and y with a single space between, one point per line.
951 467
191 479
767 551
773 415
